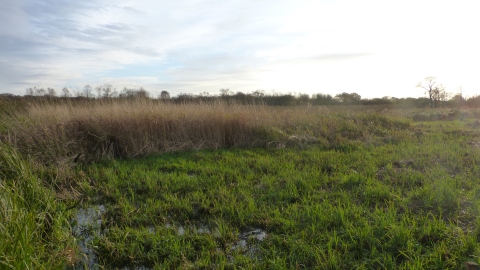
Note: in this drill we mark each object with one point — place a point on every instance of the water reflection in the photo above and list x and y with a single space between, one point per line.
88 222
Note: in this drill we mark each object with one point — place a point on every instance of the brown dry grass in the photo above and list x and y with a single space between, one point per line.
68 132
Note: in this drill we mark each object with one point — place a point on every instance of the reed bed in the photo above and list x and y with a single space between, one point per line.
66 132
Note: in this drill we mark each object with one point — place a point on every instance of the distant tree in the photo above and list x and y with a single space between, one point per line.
242 98
458 99
225 92
134 93
164 95
29 92
78 92
51 92
126 92
40 91
280 99
185 98
376 101
348 97
258 93
35 91
322 99
142 93
303 99
433 90
392 100
66 92
87 91
473 102
106 91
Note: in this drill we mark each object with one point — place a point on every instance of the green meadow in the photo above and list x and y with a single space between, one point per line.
153 185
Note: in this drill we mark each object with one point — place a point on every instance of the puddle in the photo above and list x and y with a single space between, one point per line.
243 244
251 249
257 234
88 225
202 229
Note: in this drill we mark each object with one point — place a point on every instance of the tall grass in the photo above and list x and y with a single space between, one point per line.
31 230
86 132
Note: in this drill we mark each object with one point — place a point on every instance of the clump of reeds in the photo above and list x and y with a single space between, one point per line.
84 132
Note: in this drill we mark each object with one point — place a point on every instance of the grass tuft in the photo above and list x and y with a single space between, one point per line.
31 227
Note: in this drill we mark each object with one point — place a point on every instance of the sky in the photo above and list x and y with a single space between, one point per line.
375 48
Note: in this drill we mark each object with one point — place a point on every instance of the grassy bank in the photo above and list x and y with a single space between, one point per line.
216 186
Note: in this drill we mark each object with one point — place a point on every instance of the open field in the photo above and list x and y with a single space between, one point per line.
210 186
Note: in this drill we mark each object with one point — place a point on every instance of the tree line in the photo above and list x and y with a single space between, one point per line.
435 96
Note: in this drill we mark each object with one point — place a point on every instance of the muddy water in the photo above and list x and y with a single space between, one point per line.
242 244
257 234
88 223
202 229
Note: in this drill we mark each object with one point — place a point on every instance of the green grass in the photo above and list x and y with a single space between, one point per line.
33 229
406 205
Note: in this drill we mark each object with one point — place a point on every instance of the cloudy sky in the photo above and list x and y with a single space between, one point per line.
373 47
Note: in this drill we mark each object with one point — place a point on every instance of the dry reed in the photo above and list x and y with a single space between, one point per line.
90 131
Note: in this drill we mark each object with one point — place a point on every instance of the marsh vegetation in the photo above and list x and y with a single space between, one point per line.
219 185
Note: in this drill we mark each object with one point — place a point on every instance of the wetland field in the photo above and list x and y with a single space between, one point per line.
145 184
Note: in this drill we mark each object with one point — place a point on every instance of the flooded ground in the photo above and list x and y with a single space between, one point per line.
244 242
248 247
88 222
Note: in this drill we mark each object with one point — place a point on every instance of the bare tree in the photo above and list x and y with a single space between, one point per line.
78 93
258 93
106 91
66 92
35 91
87 91
225 92
30 92
99 91
435 91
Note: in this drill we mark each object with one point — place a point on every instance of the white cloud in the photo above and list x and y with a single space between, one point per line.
373 47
